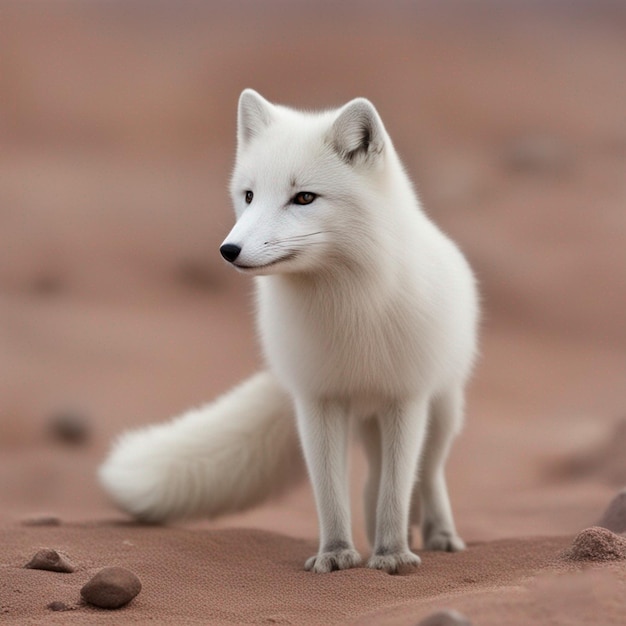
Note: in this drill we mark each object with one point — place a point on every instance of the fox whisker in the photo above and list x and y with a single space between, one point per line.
294 238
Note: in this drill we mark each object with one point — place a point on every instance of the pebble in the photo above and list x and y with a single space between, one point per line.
47 285
58 606
614 518
537 154
69 427
197 275
111 588
597 544
51 560
447 617
42 520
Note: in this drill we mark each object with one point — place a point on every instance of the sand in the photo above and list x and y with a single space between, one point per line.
116 142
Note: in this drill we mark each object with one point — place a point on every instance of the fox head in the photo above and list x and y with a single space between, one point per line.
304 185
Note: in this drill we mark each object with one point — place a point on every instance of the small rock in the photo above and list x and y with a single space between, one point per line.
111 588
537 154
447 617
47 285
41 520
58 606
51 560
69 427
597 544
614 517
197 275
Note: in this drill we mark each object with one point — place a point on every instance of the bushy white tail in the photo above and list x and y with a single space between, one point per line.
222 458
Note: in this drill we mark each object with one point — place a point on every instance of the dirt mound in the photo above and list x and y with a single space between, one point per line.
597 544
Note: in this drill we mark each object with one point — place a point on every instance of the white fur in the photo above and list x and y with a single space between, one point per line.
367 313
223 457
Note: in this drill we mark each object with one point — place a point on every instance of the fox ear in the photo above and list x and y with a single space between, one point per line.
358 131
254 114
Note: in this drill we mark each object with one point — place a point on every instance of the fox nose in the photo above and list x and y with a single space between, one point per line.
230 251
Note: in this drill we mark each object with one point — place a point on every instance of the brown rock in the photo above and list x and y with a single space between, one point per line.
47 285
614 518
537 154
197 275
111 588
69 427
447 617
51 560
58 606
597 544
42 520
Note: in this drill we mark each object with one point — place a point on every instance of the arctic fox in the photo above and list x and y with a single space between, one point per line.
368 317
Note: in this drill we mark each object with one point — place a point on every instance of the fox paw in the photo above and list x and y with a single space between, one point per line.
325 562
444 541
394 562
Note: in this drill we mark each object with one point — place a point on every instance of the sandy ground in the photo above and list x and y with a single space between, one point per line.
116 142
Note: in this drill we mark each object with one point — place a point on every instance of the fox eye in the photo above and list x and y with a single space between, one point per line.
249 196
304 197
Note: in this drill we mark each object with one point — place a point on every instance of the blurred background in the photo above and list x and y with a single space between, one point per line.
117 127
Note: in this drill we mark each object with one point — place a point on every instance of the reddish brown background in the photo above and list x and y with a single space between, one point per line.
116 143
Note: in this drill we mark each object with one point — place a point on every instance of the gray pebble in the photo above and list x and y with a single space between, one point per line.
614 517
111 588
447 617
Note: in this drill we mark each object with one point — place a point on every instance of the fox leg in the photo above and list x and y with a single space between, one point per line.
323 428
438 529
402 430
370 436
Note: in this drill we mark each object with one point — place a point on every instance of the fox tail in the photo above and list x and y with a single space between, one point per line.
224 457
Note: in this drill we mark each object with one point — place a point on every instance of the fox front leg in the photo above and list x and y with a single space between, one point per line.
402 431
323 428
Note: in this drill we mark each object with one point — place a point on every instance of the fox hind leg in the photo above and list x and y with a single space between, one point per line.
370 436
431 492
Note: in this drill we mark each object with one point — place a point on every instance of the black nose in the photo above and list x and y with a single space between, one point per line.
230 251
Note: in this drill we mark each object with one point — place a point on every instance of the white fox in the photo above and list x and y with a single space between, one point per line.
368 316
